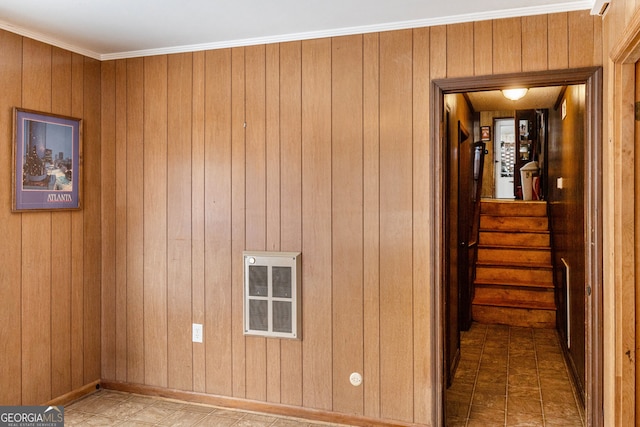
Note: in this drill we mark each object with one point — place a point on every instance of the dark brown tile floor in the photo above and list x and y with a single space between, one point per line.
113 408
510 376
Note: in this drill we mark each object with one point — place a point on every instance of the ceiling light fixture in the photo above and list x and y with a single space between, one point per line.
514 94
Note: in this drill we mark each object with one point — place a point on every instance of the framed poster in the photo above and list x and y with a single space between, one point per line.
47 161
485 133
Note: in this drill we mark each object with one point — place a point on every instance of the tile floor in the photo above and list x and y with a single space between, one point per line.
113 408
509 376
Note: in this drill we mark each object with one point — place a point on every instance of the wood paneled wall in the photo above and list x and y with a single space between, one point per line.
566 149
319 146
50 275
621 214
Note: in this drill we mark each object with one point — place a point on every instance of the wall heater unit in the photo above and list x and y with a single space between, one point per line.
272 294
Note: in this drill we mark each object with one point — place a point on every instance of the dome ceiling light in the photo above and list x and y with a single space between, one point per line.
514 94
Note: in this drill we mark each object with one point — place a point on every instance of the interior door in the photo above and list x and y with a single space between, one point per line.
452 295
504 146
466 242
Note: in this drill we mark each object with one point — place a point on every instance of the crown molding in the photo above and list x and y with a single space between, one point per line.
403 25
48 39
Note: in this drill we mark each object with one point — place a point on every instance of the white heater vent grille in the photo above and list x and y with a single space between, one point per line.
272 292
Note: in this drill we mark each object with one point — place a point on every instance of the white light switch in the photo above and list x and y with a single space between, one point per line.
197 332
560 183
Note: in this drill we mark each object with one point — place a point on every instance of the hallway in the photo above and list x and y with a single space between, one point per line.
511 376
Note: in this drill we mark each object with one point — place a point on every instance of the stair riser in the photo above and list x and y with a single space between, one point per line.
506 295
513 223
514 239
514 209
514 316
510 275
514 255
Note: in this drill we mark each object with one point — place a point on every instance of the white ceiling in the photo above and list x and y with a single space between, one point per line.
111 29
536 97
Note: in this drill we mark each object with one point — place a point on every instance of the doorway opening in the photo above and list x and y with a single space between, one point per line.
504 149
590 193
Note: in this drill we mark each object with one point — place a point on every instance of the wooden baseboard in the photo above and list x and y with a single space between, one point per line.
251 405
75 394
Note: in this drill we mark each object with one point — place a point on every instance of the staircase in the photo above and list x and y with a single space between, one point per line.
514 278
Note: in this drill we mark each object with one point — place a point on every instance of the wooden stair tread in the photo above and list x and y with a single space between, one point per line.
514 273
512 284
532 305
505 229
515 265
513 207
514 247
514 231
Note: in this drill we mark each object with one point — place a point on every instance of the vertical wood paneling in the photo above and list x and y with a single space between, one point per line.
91 219
371 205
507 48
50 344
36 247
36 310
334 162
135 221
558 41
624 181
438 52
238 218
61 246
482 52
272 152
108 135
256 200
534 43
422 362
291 201
217 186
316 222
347 221
120 184
608 199
272 147
198 216
396 323
155 220
179 97
581 39
255 160
635 274
460 49
10 224
77 237
598 43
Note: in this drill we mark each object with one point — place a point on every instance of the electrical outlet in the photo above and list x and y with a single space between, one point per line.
355 379
197 332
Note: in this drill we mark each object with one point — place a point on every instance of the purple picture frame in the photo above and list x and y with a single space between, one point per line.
47 162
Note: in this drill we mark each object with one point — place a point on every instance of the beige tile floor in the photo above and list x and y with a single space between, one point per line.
509 376
113 408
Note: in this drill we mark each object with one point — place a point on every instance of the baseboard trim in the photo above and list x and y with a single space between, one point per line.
75 394
252 405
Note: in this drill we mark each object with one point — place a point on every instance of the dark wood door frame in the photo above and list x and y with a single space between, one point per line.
592 78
